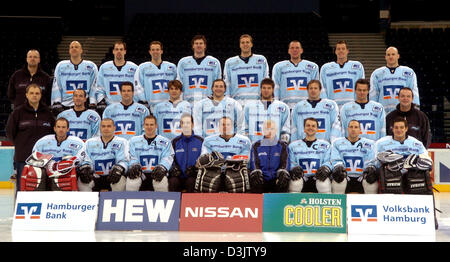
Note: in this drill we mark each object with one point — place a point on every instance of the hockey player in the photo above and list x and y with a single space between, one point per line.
73 74
370 114
325 111
310 162
387 81
351 157
111 75
151 157
168 113
84 123
187 148
127 115
291 76
197 72
208 111
152 77
106 161
243 73
269 162
258 111
339 78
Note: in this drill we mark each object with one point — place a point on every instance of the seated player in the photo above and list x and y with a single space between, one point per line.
269 162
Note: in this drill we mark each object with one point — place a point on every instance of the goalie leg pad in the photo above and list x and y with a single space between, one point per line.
324 186
236 178
67 182
120 185
85 187
390 181
133 184
338 188
418 182
33 179
295 186
162 185
370 188
208 180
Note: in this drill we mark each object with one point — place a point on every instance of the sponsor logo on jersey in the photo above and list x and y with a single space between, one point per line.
103 166
354 164
309 165
78 132
72 85
247 80
160 86
198 81
367 127
124 127
171 126
343 85
391 91
148 162
296 83
114 88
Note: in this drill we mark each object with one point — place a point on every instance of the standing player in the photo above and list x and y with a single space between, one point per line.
370 114
210 110
152 77
106 161
339 78
197 72
112 74
258 111
351 157
151 157
291 76
310 162
168 113
387 81
84 123
128 116
70 75
325 111
243 73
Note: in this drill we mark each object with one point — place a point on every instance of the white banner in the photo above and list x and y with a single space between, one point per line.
55 210
390 214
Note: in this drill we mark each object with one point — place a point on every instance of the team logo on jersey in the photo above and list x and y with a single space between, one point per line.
364 213
310 67
198 81
103 166
92 118
148 162
78 132
171 126
309 165
343 85
114 88
407 74
212 63
160 86
367 127
247 80
296 83
354 164
28 211
356 66
124 127
391 91
72 85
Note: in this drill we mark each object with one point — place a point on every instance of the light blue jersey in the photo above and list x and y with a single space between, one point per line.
110 77
158 152
70 77
256 112
102 157
72 146
243 78
409 146
371 118
291 80
208 112
386 83
197 78
236 145
355 157
327 114
151 82
339 82
84 126
168 116
129 120
310 158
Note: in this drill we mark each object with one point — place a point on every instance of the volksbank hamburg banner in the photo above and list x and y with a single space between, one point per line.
46 210
390 214
304 212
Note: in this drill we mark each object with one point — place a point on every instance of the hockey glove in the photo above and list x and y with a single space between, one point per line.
135 171
86 174
158 173
339 173
116 172
297 173
323 173
191 171
283 179
256 177
370 174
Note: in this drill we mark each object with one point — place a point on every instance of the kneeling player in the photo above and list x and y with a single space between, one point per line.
350 158
309 161
151 157
106 161
269 162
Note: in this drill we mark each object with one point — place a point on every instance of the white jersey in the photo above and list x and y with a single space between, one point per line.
310 158
83 125
168 116
291 80
71 146
102 157
129 120
110 77
236 145
371 118
355 157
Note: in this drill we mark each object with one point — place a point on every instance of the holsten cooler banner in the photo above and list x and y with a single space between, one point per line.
390 214
302 212
55 210
145 210
221 212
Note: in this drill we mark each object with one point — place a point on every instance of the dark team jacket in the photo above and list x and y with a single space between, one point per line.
25 126
269 158
187 150
418 124
22 78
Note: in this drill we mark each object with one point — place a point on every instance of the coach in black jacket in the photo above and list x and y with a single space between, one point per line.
418 122
27 124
